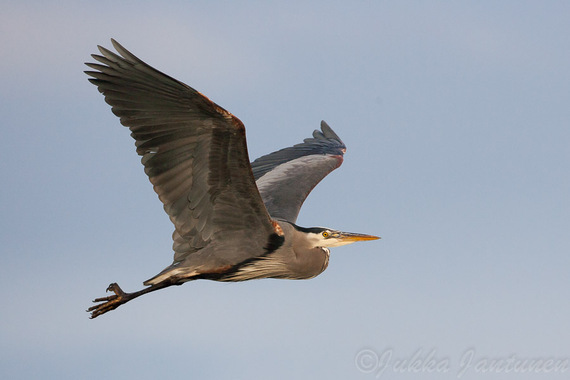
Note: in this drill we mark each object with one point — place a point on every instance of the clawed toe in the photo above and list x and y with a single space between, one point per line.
115 288
108 303
103 299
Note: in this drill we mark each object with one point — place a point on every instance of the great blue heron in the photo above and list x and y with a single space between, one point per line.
234 220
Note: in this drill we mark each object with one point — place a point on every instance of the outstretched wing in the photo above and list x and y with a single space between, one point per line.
286 177
195 155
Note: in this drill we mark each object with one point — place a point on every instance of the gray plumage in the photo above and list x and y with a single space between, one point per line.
233 220
286 177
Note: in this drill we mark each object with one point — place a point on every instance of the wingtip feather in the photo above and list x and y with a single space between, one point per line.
328 131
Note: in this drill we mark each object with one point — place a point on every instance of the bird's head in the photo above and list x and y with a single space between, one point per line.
327 237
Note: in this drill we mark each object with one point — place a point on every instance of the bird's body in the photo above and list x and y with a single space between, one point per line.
234 220
296 258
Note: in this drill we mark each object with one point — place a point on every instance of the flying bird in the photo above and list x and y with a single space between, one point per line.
233 220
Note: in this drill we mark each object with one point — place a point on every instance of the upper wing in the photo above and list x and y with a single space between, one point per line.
195 155
286 177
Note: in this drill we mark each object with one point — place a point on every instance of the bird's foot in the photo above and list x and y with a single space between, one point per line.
109 303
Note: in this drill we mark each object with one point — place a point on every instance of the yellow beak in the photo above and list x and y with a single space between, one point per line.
352 237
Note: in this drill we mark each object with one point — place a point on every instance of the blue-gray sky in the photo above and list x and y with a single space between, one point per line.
456 117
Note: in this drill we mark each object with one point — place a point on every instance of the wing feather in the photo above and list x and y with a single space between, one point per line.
286 177
195 155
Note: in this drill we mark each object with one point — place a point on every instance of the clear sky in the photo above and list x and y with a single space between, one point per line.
456 117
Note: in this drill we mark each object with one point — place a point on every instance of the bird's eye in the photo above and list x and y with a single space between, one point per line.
325 234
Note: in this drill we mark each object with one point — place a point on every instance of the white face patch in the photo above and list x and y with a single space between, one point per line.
316 240
326 239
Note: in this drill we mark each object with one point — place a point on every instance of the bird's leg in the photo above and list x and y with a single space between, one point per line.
120 297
